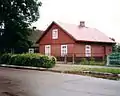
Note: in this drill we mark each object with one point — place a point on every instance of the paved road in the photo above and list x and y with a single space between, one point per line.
16 82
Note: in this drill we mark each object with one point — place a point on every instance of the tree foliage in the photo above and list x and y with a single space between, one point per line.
16 16
116 48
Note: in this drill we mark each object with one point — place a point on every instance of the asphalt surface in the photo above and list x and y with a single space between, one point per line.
17 82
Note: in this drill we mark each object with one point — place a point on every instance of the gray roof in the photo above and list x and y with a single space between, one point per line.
35 36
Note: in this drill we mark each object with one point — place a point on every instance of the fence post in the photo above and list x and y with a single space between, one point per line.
73 59
65 59
107 60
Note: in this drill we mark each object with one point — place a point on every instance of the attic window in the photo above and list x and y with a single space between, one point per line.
55 34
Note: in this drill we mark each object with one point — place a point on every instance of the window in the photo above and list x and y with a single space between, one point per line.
63 50
55 34
48 50
88 51
31 50
1 33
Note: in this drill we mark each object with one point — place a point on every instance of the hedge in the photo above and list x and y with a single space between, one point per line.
4 58
34 60
114 58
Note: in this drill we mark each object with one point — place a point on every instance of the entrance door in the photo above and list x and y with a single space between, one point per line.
48 50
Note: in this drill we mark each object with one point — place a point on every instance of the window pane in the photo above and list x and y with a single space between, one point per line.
55 33
88 50
63 50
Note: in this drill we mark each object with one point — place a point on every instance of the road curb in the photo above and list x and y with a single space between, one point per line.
23 67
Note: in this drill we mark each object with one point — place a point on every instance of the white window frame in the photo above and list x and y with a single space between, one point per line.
88 50
48 50
55 34
31 50
64 51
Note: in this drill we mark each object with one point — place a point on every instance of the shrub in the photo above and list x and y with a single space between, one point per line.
84 61
0 54
35 60
16 60
49 62
114 58
4 58
92 61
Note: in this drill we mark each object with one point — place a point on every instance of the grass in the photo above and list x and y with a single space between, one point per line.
100 74
105 70
77 68
96 63
94 71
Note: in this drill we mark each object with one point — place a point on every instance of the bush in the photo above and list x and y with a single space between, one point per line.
0 54
34 60
49 62
92 61
114 58
4 58
84 61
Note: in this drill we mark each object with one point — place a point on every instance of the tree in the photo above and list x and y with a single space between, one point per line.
116 48
16 16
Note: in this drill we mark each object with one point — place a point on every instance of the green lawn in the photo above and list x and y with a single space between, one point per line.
106 70
80 68
89 70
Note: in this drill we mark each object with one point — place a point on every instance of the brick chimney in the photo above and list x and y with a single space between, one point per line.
82 23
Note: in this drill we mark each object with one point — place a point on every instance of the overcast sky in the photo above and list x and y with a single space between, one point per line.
101 14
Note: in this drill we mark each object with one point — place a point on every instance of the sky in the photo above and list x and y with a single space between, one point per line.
101 14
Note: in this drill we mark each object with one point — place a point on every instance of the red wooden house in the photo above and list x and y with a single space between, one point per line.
61 39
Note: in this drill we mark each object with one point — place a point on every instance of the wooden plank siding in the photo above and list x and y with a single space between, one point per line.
77 48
